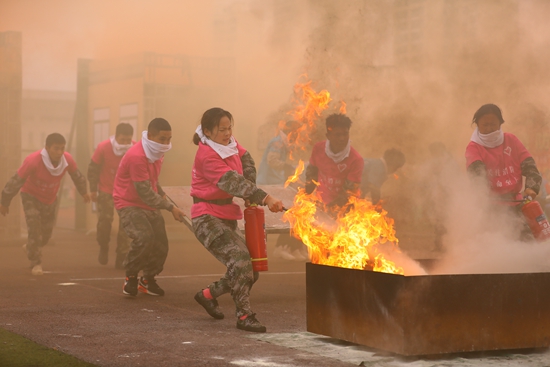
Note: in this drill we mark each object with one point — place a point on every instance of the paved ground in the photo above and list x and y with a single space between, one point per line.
78 308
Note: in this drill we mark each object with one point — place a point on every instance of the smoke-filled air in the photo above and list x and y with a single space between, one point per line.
410 75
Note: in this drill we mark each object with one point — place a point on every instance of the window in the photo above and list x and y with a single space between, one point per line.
101 125
129 115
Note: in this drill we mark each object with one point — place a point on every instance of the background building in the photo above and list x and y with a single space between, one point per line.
10 125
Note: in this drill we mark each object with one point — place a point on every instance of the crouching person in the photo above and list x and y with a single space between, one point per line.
138 198
224 169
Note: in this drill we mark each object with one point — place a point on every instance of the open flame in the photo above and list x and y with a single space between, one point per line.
307 110
297 173
357 238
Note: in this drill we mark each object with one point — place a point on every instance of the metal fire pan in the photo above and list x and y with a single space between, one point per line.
429 315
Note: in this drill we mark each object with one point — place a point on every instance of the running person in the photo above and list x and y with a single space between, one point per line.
224 169
138 199
101 176
39 178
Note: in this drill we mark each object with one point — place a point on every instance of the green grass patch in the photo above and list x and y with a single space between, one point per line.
17 351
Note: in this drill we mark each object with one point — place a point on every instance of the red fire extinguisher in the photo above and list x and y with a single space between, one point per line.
536 219
256 240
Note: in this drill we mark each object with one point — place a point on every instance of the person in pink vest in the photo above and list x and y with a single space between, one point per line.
138 198
39 179
222 170
101 177
501 160
335 164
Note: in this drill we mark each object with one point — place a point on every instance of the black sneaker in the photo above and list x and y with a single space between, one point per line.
119 261
103 257
130 286
251 324
150 286
210 305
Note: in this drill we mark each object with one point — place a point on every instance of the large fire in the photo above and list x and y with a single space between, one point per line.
308 106
359 235
352 238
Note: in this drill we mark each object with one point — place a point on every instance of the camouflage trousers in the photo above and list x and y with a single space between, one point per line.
106 211
40 220
221 239
149 247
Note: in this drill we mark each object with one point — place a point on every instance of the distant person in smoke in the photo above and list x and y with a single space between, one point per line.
138 198
335 164
377 170
39 178
223 169
101 177
275 167
501 160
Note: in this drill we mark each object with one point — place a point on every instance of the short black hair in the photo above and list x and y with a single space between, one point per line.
124 128
486 109
338 120
157 125
55 138
394 159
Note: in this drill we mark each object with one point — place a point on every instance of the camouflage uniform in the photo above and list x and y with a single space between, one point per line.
40 217
40 220
149 247
106 210
222 239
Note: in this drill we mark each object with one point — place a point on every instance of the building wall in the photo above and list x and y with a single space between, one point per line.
42 113
175 87
10 125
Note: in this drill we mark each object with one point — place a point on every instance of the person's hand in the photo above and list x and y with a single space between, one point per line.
530 192
93 196
274 205
87 197
4 210
178 214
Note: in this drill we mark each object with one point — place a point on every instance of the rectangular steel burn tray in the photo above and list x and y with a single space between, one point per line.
427 315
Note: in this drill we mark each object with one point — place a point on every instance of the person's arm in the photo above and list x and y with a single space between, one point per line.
80 183
249 167
477 169
349 188
160 190
94 171
312 174
14 184
150 197
533 178
236 185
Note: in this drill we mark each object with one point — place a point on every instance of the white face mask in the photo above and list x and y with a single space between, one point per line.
223 151
490 140
153 150
119 149
55 171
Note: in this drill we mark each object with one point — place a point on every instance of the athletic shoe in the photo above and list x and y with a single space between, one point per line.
37 270
150 286
210 305
103 257
130 286
251 324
